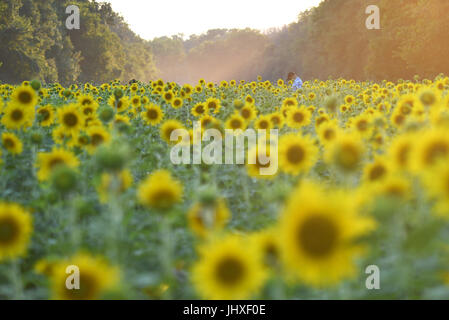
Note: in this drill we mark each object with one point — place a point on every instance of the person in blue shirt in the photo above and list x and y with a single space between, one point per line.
297 82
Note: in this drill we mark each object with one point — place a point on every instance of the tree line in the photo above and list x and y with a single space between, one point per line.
328 41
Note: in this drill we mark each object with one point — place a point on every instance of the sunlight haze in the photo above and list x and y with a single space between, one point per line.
151 19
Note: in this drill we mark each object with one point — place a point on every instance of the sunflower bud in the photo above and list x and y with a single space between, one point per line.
106 114
111 158
118 93
36 85
64 179
36 138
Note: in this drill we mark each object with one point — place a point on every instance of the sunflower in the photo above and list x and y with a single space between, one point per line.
46 115
328 132
277 120
290 102
98 135
160 190
48 161
318 229
24 96
227 269
152 114
208 218
207 121
350 100
429 97
11 143
167 128
346 152
121 119
213 105
400 150
177 103
431 147
394 187
248 112
362 125
15 116
297 154
15 230
135 101
377 171
436 183
267 242
110 185
200 109
235 122
168 96
120 105
88 104
71 119
60 136
262 165
263 123
298 117
96 277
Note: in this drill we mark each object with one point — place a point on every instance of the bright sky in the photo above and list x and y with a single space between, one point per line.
156 18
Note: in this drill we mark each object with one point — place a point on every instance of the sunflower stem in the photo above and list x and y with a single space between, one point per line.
16 280
165 254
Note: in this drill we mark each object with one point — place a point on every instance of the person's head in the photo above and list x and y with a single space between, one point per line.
291 76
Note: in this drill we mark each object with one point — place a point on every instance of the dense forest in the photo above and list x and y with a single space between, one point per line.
328 41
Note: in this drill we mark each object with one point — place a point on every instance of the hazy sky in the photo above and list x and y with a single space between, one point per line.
155 18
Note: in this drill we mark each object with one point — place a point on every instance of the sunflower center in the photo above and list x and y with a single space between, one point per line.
298 117
329 134
230 271
152 114
377 172
212 105
318 236
362 125
438 149
8 143
97 139
55 162
275 120
88 288
235 124
263 124
25 97
17 115
9 230
246 113
200 109
70 120
295 154
45 114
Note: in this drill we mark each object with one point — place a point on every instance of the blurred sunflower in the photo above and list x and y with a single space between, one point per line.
346 152
317 231
48 161
46 115
110 185
97 277
24 96
12 143
228 268
200 109
208 218
160 190
70 119
16 116
297 154
15 230
167 128
298 117
152 114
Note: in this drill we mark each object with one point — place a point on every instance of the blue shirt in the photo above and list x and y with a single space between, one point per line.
297 84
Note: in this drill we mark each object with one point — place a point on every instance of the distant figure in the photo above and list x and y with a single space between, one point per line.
297 82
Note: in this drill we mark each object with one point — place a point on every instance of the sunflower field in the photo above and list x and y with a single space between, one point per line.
86 180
